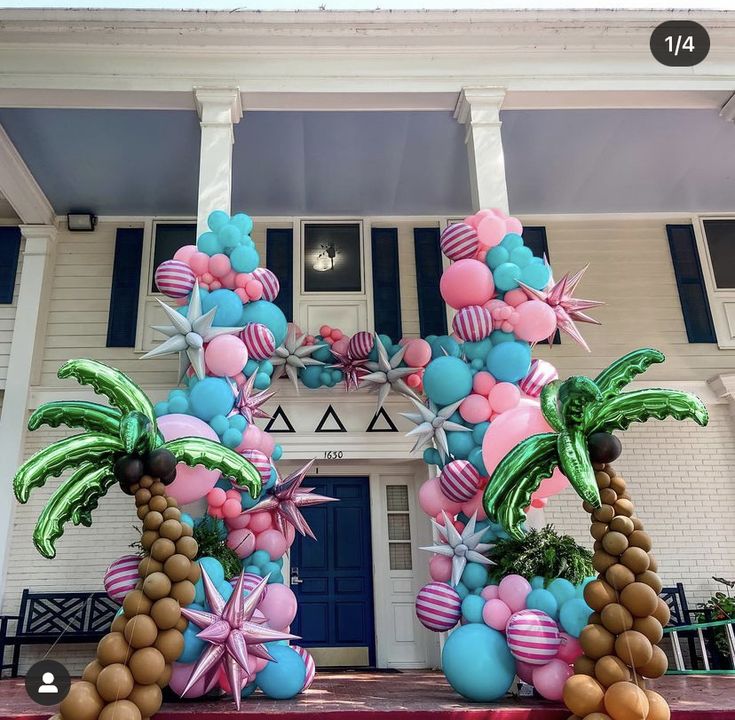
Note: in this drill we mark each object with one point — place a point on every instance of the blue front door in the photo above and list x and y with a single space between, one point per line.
332 576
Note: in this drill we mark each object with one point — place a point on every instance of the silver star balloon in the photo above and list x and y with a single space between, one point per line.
386 375
293 355
432 425
187 335
287 497
462 547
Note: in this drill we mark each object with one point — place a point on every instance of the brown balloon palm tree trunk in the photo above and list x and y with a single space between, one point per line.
620 643
134 659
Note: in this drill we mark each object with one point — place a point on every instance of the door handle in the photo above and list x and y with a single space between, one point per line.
295 579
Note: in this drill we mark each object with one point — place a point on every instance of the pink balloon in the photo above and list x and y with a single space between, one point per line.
483 382
513 591
490 231
472 220
536 321
279 606
510 428
341 345
290 534
199 262
184 253
503 397
191 483
251 438
513 225
273 542
260 521
496 614
231 508
466 282
219 265
440 568
254 289
229 280
570 649
242 280
432 500
474 506
515 297
239 521
216 497
549 679
489 592
225 355
475 408
180 675
242 542
525 671
267 443
551 486
418 353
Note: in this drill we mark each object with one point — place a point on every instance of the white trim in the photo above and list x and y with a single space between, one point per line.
20 188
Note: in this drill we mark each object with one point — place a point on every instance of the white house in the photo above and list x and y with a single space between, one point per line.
390 125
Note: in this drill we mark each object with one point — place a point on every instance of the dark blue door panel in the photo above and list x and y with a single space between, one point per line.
336 593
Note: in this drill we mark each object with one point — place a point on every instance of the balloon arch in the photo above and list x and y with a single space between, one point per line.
205 605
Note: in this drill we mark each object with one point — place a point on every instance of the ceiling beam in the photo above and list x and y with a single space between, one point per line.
20 188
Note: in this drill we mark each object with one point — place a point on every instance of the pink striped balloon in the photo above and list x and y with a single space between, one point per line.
459 480
251 580
267 278
309 663
438 606
259 341
473 323
121 577
361 343
261 461
533 637
541 373
459 241
174 278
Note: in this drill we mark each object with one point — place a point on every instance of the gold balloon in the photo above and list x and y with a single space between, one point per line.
141 631
626 701
148 538
152 520
183 592
82 703
641 539
640 599
618 576
599 593
112 648
171 512
177 568
656 666
602 560
170 529
604 513
583 695
121 710
92 671
636 560
170 643
597 530
614 543
146 665
147 698
622 524
603 479
616 618
118 624
596 641
166 613
148 566
610 670
114 682
650 627
162 549
633 648
157 503
187 546
584 666
163 681
195 573
658 708
624 507
136 603
157 585
608 496
650 578
662 613
142 497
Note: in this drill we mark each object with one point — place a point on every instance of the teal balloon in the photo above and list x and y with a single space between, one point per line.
211 397
209 244
562 590
253 569
247 502
188 519
337 376
225 590
573 616
238 422
478 432
179 405
271 568
260 558
230 237
540 599
268 314
262 381
193 646
215 572
266 366
447 379
311 376
506 276
232 438
521 256
475 457
229 307
460 444
277 453
508 362
475 576
244 259
512 241
251 366
498 336
161 408
432 456
243 222
387 344
445 345
477 350
536 274
276 578
472 608
462 590
217 219
538 582
284 678
496 256
477 663
220 424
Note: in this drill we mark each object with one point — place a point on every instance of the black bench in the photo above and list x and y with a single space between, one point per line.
48 618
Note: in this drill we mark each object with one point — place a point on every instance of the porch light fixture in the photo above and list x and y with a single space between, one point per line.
325 259
81 222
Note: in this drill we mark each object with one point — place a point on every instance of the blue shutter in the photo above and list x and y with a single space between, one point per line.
123 315
535 239
386 282
9 253
690 283
279 260
432 311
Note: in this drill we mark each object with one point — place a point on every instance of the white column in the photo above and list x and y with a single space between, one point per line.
36 274
478 109
219 110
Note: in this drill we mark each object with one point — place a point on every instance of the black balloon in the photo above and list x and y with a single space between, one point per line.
129 469
161 464
168 479
604 447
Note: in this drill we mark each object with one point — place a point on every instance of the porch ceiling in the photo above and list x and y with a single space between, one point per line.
145 162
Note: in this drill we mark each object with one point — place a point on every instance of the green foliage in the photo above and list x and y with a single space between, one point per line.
208 534
544 553
720 607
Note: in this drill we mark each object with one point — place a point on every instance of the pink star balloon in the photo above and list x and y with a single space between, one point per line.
287 497
567 308
232 634
354 370
248 403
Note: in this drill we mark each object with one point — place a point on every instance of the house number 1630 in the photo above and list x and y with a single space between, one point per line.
333 454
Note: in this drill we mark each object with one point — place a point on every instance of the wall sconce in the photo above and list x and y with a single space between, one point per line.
325 259
81 222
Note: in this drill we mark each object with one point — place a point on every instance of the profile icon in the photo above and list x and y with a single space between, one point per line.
47 682
48 687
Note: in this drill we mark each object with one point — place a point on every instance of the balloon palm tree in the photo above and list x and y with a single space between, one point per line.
122 443
620 643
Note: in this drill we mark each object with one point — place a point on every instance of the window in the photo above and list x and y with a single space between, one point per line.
720 237
167 239
399 527
332 258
